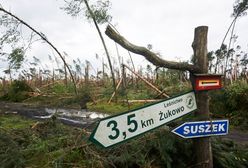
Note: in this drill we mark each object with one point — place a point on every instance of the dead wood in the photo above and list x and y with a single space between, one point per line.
117 87
147 82
143 101
149 55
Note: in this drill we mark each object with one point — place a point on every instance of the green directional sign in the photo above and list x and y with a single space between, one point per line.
119 128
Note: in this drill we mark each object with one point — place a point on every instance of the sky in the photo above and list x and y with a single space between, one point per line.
168 25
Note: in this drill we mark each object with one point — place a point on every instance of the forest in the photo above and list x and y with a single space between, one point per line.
49 112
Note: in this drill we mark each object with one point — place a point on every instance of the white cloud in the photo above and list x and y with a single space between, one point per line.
167 25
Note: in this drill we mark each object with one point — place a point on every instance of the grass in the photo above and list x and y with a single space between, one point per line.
15 122
71 101
51 144
113 108
22 145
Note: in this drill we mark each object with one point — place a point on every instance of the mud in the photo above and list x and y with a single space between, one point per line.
85 119
73 117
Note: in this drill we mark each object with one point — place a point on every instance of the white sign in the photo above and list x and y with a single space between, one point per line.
119 128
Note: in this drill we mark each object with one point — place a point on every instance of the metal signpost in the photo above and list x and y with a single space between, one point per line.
202 129
116 129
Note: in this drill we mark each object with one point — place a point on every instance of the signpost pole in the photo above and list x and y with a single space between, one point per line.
202 146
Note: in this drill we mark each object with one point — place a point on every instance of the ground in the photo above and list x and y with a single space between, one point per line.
27 110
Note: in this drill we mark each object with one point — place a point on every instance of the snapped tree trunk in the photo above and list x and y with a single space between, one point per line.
202 151
202 146
103 42
65 73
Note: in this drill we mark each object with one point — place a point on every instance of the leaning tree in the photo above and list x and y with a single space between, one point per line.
42 36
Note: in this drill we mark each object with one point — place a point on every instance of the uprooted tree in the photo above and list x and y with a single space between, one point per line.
202 146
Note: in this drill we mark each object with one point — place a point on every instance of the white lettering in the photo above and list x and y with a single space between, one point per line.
214 127
221 127
186 130
201 129
194 129
208 130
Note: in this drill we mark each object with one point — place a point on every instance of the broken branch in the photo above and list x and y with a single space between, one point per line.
149 55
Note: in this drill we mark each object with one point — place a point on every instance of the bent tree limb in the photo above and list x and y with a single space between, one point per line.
103 42
149 55
46 40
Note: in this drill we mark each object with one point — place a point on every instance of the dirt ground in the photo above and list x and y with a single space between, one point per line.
235 134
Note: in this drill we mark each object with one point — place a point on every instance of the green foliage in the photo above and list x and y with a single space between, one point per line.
12 139
157 149
139 94
99 10
39 146
237 94
232 103
14 122
173 81
227 155
11 35
112 108
237 102
17 92
168 147
16 58
10 155
51 144
60 88
240 7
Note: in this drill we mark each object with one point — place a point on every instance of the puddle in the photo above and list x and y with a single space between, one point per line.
75 113
72 116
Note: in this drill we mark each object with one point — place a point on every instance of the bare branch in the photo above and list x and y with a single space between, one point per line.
149 55
41 35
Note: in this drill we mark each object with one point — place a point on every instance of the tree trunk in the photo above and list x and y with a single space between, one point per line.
202 146
65 73
103 72
86 79
228 53
10 75
4 86
103 42
202 151
47 41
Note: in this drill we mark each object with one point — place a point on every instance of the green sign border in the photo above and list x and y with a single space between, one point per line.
92 139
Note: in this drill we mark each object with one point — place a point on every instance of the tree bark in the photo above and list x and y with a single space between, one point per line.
202 146
149 55
65 81
103 42
117 87
228 53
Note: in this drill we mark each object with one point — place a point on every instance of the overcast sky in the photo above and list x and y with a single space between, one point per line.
166 24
